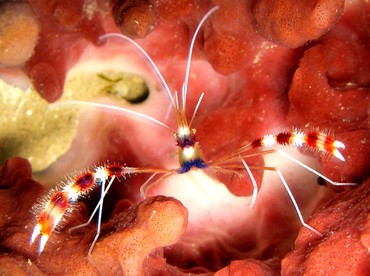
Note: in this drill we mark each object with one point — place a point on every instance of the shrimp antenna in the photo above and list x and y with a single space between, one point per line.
147 57
111 107
186 80
196 109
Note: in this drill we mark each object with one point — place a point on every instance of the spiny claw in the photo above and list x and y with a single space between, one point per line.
339 144
44 238
35 233
338 155
59 200
49 218
336 152
42 243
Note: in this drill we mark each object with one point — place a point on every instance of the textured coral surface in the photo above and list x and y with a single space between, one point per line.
264 66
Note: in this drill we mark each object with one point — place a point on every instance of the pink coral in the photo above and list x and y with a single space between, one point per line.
19 31
292 23
266 87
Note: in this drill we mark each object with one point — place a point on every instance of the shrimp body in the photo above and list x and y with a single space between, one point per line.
189 152
59 201
52 211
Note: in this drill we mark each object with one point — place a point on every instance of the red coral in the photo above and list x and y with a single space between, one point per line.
292 24
326 89
63 26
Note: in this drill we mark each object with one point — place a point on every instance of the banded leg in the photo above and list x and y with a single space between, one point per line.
330 147
313 140
103 193
60 201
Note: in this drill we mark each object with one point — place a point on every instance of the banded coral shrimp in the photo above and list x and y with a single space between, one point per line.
236 159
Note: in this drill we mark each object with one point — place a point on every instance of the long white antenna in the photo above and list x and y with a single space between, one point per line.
186 80
148 58
112 107
196 109
315 172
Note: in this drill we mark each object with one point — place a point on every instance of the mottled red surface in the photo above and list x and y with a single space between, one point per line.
154 223
344 248
328 84
65 29
292 23
229 42
19 32
339 64
134 18
249 267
